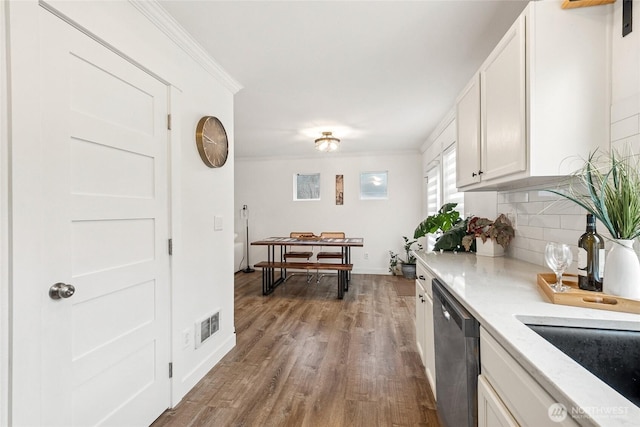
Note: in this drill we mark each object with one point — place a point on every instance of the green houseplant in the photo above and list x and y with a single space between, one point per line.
447 221
393 263
446 218
608 186
409 263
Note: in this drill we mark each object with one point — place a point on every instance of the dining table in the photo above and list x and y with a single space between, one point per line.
274 269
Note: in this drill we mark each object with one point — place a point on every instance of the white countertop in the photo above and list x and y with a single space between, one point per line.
503 295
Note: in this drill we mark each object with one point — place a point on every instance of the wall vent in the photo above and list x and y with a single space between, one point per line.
206 327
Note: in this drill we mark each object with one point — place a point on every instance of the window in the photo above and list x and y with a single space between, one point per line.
450 193
306 186
433 190
373 185
432 198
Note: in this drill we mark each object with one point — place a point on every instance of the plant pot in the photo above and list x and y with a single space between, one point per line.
409 271
622 271
488 248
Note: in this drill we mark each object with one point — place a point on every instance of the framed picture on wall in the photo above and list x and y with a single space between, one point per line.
373 185
339 189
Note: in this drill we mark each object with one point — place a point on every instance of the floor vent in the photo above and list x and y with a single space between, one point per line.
206 327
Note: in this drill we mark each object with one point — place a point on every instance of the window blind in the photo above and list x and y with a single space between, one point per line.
450 193
432 198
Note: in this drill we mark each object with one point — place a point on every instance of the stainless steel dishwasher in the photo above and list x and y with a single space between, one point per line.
457 349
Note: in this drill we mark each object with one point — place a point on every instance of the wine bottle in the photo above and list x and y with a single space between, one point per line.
590 258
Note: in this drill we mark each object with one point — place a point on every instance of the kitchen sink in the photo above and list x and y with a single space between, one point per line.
609 354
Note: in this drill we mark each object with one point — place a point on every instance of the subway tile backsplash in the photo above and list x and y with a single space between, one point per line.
542 216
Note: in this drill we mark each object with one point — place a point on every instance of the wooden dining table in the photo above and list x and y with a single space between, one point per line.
275 260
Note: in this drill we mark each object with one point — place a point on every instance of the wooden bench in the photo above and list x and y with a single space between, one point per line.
268 273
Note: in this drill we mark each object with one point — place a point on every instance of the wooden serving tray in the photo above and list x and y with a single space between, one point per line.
580 298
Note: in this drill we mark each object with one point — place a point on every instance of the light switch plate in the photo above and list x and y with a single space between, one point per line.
217 223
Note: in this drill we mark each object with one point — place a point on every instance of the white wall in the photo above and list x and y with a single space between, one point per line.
4 226
202 265
266 187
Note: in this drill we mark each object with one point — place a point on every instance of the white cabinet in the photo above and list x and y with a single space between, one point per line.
502 107
538 101
468 134
420 320
424 323
508 395
491 410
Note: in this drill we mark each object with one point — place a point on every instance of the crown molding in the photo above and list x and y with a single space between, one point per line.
446 121
330 156
155 13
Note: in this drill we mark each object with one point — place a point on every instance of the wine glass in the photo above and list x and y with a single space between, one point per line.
558 257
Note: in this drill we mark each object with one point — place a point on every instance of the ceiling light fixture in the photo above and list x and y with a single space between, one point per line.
327 142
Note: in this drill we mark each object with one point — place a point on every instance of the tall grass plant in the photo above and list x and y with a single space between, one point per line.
608 186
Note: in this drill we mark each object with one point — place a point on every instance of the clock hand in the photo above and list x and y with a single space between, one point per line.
209 139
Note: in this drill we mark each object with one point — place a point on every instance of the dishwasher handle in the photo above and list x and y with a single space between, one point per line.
446 314
452 309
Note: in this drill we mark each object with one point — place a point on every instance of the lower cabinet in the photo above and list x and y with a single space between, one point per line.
491 410
508 395
424 323
420 320
430 353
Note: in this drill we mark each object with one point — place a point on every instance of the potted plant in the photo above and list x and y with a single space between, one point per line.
608 187
446 218
491 238
448 222
393 263
409 263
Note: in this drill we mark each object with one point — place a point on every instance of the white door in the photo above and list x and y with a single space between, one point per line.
104 127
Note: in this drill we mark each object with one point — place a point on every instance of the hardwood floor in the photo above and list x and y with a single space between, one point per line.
305 358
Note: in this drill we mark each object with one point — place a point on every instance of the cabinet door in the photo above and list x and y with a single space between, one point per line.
491 410
503 101
420 320
468 134
430 353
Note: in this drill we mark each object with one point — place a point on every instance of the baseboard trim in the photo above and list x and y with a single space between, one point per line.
192 378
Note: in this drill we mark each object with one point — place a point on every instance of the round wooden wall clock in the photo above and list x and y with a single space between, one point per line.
212 142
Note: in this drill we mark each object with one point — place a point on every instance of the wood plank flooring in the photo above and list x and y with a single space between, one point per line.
305 358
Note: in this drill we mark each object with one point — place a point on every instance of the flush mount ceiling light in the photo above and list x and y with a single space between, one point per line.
327 142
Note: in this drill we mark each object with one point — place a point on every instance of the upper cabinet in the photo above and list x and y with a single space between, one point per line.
539 102
468 135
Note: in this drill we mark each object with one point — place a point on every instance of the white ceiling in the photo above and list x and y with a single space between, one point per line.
380 75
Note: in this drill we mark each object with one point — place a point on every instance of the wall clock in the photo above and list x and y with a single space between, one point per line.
212 142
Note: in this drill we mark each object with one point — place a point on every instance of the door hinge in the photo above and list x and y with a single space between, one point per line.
170 246
170 370
169 121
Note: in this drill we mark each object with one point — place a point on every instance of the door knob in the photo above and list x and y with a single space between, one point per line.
61 290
